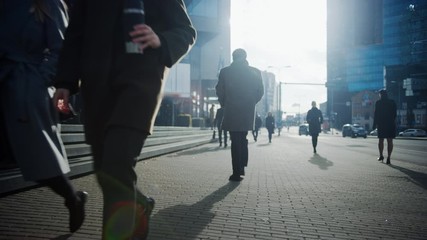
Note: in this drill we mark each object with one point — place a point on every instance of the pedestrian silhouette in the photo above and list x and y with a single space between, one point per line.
239 88
258 124
270 125
30 41
120 67
314 119
218 122
385 122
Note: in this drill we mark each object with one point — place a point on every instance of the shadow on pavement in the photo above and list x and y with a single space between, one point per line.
198 150
63 237
189 220
322 162
417 178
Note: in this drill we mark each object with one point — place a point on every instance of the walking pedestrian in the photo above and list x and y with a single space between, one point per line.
258 124
221 132
270 125
30 40
212 116
239 88
385 122
314 119
120 67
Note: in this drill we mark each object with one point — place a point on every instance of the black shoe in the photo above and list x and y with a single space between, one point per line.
235 178
77 211
242 172
220 144
381 158
225 145
143 219
388 160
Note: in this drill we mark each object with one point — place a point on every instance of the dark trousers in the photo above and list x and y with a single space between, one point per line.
314 140
221 133
239 151
255 134
115 157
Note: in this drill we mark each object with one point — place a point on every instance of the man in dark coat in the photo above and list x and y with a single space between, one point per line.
385 122
314 120
121 94
270 125
239 89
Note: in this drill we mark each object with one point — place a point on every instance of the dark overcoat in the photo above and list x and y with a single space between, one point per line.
385 118
314 119
239 89
118 88
270 124
29 50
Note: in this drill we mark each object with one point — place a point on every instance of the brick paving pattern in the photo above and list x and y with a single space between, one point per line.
287 193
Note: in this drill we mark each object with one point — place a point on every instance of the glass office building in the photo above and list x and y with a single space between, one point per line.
374 44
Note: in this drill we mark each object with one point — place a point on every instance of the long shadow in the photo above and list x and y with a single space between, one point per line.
63 237
320 161
418 178
188 220
198 151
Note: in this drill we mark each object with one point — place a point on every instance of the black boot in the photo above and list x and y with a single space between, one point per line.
77 210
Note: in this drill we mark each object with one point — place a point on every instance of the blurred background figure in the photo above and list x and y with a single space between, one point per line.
258 124
270 125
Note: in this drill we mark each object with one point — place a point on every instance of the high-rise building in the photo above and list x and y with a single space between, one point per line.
190 87
374 44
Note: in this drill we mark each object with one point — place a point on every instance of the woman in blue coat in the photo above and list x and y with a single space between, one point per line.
30 38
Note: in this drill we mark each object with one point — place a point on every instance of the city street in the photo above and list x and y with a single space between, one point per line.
342 192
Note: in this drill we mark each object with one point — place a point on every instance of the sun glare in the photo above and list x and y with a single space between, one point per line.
284 32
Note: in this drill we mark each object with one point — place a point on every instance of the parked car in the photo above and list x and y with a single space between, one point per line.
303 129
374 132
413 132
354 130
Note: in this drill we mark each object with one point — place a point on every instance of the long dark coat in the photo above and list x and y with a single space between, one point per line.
385 118
118 88
239 89
270 124
28 55
314 119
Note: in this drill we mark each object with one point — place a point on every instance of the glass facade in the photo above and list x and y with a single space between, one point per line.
373 44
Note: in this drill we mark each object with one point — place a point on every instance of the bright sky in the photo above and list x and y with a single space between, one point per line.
280 33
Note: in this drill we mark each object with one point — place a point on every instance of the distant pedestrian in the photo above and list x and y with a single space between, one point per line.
385 122
239 89
270 125
30 40
212 116
120 66
218 122
258 124
314 119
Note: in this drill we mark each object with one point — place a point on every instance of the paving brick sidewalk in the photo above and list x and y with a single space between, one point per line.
288 193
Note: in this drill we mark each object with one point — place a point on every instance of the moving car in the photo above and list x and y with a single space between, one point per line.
413 132
303 129
374 132
354 131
